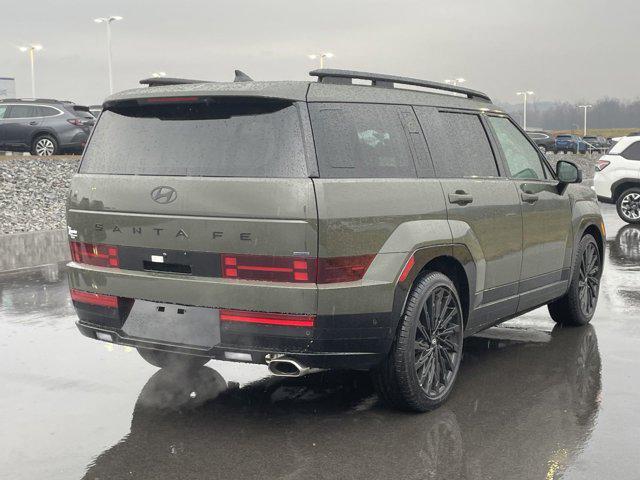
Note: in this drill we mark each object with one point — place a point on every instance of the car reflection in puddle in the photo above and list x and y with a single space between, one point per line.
525 405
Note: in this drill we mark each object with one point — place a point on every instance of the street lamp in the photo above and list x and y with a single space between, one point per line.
158 74
32 49
108 20
455 81
321 56
585 107
525 94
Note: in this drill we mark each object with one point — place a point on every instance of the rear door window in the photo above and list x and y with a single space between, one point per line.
360 141
523 159
3 110
214 137
458 144
23 111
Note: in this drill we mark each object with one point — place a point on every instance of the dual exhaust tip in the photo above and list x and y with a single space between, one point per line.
282 366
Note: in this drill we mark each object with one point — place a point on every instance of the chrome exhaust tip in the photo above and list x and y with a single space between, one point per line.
288 367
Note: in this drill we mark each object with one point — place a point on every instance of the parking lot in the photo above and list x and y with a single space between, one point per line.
532 401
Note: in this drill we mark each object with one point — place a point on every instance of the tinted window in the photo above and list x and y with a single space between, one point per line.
360 141
522 157
215 137
458 144
632 152
23 111
564 137
47 111
3 109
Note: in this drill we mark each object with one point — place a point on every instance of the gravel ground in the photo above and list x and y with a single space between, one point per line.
33 189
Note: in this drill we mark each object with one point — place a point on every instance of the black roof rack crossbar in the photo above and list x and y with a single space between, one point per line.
331 75
164 81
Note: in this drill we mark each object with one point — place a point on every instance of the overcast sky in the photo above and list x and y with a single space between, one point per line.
563 49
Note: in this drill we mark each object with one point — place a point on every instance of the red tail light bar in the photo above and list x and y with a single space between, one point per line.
602 164
95 254
281 319
295 269
98 299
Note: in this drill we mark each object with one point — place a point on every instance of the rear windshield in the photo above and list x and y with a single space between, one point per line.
564 137
211 137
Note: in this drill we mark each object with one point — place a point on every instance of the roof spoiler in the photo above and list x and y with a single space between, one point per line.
346 77
240 76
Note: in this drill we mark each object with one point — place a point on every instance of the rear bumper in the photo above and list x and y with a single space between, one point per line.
352 359
357 338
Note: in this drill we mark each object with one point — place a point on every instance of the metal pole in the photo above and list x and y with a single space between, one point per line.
585 122
33 78
108 22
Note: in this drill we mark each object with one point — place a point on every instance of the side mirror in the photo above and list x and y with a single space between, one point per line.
567 172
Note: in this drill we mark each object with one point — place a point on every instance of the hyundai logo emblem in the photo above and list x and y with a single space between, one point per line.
164 194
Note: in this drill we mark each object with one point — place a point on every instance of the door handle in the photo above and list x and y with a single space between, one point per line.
460 197
33 123
529 197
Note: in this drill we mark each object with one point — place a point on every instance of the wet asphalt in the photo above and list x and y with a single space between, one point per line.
532 401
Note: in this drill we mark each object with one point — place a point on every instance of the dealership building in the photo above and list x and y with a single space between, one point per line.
7 87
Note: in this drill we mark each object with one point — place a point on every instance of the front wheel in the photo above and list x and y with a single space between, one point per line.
422 366
578 305
173 361
628 205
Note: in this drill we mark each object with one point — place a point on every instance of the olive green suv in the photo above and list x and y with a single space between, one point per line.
359 221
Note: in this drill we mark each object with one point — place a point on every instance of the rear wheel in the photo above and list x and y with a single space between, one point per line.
169 360
628 205
579 304
422 366
44 146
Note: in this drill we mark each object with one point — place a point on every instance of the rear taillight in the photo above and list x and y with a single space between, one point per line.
602 164
295 269
76 121
95 254
343 269
274 269
97 299
281 319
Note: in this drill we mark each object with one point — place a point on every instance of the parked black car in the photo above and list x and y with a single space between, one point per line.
544 140
596 142
44 127
569 143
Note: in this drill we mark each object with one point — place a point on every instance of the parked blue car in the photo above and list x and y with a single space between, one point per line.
570 143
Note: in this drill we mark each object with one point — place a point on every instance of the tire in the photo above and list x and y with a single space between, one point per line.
397 378
579 304
172 361
44 146
628 205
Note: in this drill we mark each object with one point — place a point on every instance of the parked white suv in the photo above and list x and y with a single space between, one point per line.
617 178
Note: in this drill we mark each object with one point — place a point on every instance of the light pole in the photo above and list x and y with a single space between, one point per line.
585 107
525 94
321 56
32 49
108 20
455 81
158 74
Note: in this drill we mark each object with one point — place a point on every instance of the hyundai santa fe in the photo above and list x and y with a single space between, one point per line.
323 225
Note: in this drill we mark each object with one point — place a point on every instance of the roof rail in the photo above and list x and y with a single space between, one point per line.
331 75
32 100
163 81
